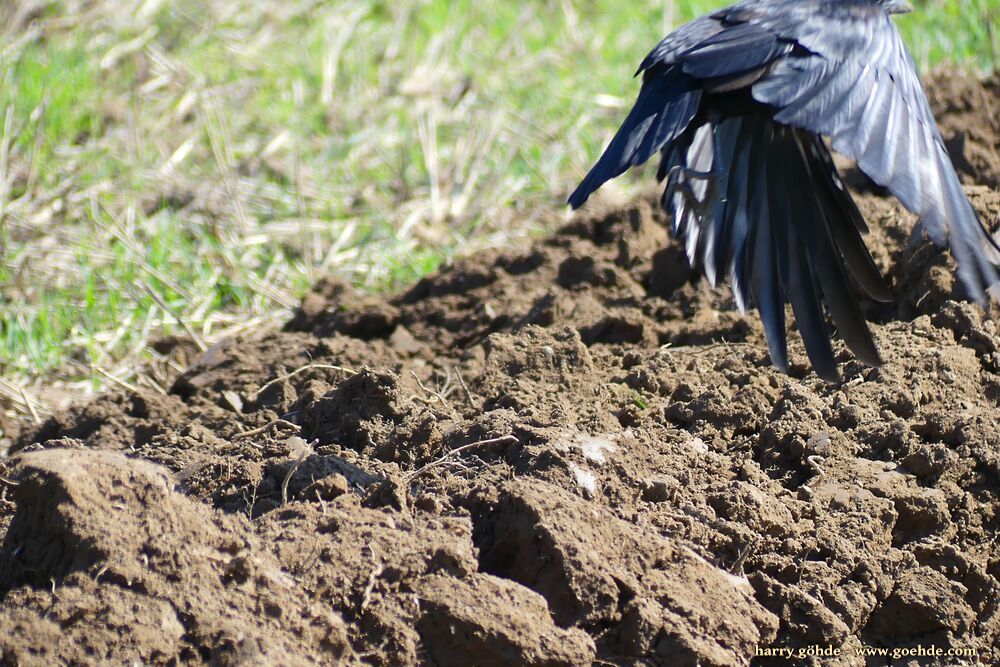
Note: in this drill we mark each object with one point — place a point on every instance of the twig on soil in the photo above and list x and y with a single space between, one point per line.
265 428
504 440
738 565
366 595
127 386
465 388
8 482
302 369
17 393
31 405
700 349
322 503
437 397
305 450
813 462
854 381
144 378
100 572
251 502
446 388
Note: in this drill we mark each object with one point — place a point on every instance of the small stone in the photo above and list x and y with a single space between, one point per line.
326 488
657 491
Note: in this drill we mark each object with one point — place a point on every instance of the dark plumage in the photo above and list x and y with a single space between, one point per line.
737 104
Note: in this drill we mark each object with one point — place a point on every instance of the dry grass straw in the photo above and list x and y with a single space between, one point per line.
260 209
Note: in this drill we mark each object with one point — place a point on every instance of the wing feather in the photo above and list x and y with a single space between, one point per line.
893 137
667 103
746 94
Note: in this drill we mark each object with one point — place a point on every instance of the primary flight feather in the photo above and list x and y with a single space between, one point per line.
737 103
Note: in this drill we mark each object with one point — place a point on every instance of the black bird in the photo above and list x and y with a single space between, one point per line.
737 103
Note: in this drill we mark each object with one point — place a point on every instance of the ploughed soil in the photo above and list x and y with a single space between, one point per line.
570 454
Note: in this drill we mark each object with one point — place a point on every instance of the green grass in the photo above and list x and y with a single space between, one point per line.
187 168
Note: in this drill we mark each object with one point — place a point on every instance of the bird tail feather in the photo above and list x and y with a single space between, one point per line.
784 228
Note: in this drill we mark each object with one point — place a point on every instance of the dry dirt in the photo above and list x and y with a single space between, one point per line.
570 454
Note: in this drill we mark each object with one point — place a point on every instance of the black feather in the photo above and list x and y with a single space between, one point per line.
761 258
808 178
769 79
787 215
667 103
844 220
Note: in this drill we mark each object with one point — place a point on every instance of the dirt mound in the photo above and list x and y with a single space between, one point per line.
570 454
970 124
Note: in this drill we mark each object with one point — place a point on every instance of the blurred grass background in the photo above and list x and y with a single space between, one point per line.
190 168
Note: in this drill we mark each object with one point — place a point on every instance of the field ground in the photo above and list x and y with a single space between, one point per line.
559 447
191 169
566 454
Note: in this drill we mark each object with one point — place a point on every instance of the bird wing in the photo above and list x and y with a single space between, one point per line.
786 226
666 105
714 58
681 40
850 77
839 69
